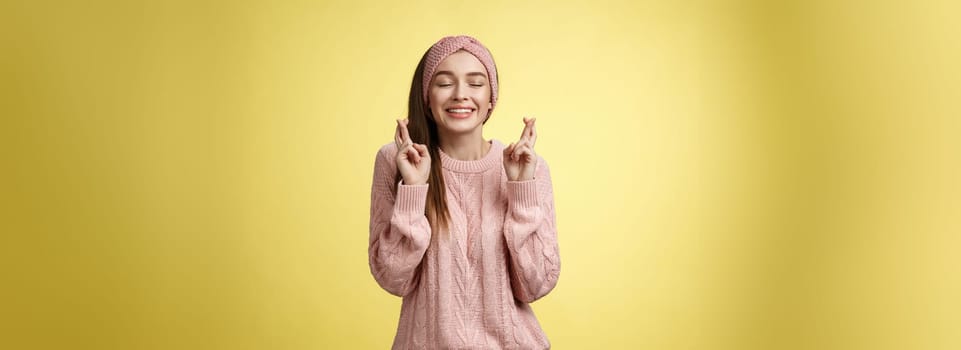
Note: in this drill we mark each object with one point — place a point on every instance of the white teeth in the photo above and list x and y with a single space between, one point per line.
459 110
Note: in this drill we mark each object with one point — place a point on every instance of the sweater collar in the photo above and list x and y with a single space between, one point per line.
491 159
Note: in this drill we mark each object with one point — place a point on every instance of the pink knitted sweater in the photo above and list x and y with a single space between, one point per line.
468 288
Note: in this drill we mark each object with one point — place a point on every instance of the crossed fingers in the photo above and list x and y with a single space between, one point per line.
403 141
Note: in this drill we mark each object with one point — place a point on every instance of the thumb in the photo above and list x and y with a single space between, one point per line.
422 150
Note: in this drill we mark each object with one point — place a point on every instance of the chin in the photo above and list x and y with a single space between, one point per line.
461 126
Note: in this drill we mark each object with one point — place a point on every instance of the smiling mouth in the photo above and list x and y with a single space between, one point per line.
459 113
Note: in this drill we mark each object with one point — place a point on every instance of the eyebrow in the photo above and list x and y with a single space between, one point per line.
468 74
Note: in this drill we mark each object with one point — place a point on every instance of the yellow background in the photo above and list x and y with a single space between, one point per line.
728 174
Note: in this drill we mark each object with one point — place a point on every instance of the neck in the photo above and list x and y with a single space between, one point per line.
469 146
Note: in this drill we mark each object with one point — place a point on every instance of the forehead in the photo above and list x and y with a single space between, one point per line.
462 63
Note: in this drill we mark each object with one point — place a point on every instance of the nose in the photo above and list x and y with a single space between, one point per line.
459 92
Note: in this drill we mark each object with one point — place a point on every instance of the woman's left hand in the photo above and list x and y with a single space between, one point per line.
519 157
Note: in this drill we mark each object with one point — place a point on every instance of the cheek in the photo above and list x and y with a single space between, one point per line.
432 99
438 91
485 98
435 96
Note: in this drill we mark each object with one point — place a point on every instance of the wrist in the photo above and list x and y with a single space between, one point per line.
413 183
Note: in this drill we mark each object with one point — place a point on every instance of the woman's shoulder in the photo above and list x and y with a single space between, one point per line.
388 151
386 156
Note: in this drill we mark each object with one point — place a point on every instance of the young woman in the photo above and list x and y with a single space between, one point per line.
462 228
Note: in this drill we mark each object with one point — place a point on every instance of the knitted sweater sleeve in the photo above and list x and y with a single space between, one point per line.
531 235
399 231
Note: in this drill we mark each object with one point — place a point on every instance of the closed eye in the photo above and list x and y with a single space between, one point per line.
449 84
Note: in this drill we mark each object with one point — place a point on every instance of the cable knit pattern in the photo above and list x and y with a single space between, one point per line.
469 288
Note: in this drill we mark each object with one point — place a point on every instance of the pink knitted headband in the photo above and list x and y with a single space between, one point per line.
450 44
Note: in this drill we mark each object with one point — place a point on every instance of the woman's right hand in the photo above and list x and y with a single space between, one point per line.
413 159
